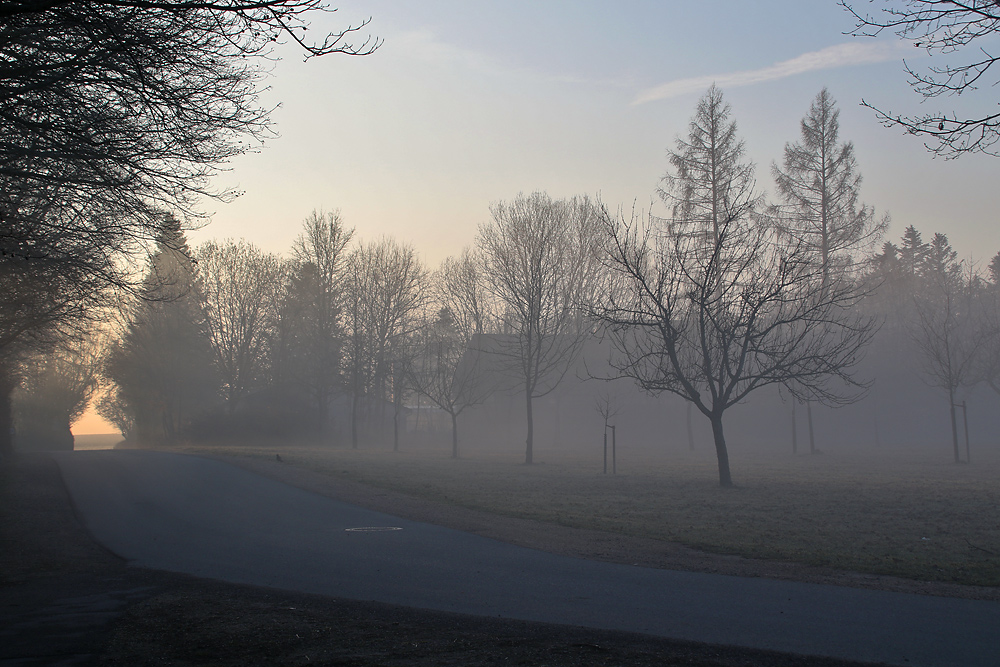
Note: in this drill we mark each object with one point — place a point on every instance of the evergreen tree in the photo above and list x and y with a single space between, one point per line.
713 307
163 365
309 348
947 330
990 368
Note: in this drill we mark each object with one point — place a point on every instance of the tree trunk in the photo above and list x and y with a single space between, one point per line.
878 439
6 418
397 403
795 435
954 423
395 430
454 436
605 447
614 450
354 420
690 427
725 479
558 426
809 418
965 424
528 453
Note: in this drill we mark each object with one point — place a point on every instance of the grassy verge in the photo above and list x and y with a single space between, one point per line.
899 515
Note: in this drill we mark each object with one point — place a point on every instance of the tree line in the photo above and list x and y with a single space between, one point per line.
721 293
113 111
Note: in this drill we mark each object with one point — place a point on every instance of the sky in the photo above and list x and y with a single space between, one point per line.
467 103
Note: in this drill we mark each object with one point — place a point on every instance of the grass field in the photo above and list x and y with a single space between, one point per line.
902 514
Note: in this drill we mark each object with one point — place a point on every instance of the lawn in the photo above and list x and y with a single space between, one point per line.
906 514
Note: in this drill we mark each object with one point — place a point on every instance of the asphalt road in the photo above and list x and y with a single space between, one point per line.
210 519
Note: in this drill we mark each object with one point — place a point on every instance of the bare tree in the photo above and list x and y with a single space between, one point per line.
461 286
126 106
608 405
711 304
240 285
309 350
449 365
819 185
385 295
943 27
48 296
711 184
947 330
712 321
448 368
540 260
990 365
113 111
56 389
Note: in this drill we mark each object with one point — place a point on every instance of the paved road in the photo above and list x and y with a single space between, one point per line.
208 518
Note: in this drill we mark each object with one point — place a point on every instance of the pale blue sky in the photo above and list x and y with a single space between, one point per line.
472 102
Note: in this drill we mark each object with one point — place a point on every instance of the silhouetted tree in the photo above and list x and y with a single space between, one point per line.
47 295
713 321
540 259
448 364
163 365
711 183
990 364
309 349
123 107
947 330
240 285
110 111
55 392
461 286
715 306
448 367
608 405
943 27
819 186
386 292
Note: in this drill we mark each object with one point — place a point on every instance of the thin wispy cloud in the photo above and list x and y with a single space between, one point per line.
425 45
832 57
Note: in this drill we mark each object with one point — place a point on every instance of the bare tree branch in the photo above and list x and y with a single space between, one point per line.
941 27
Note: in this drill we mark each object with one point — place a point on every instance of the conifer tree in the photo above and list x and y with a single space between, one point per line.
163 365
712 307
819 185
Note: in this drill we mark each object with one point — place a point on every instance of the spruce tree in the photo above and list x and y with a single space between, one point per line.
163 365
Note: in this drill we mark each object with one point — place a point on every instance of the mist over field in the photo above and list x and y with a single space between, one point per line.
597 295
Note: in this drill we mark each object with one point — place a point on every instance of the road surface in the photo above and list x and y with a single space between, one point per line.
211 519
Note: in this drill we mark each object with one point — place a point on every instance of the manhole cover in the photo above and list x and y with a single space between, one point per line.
372 529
